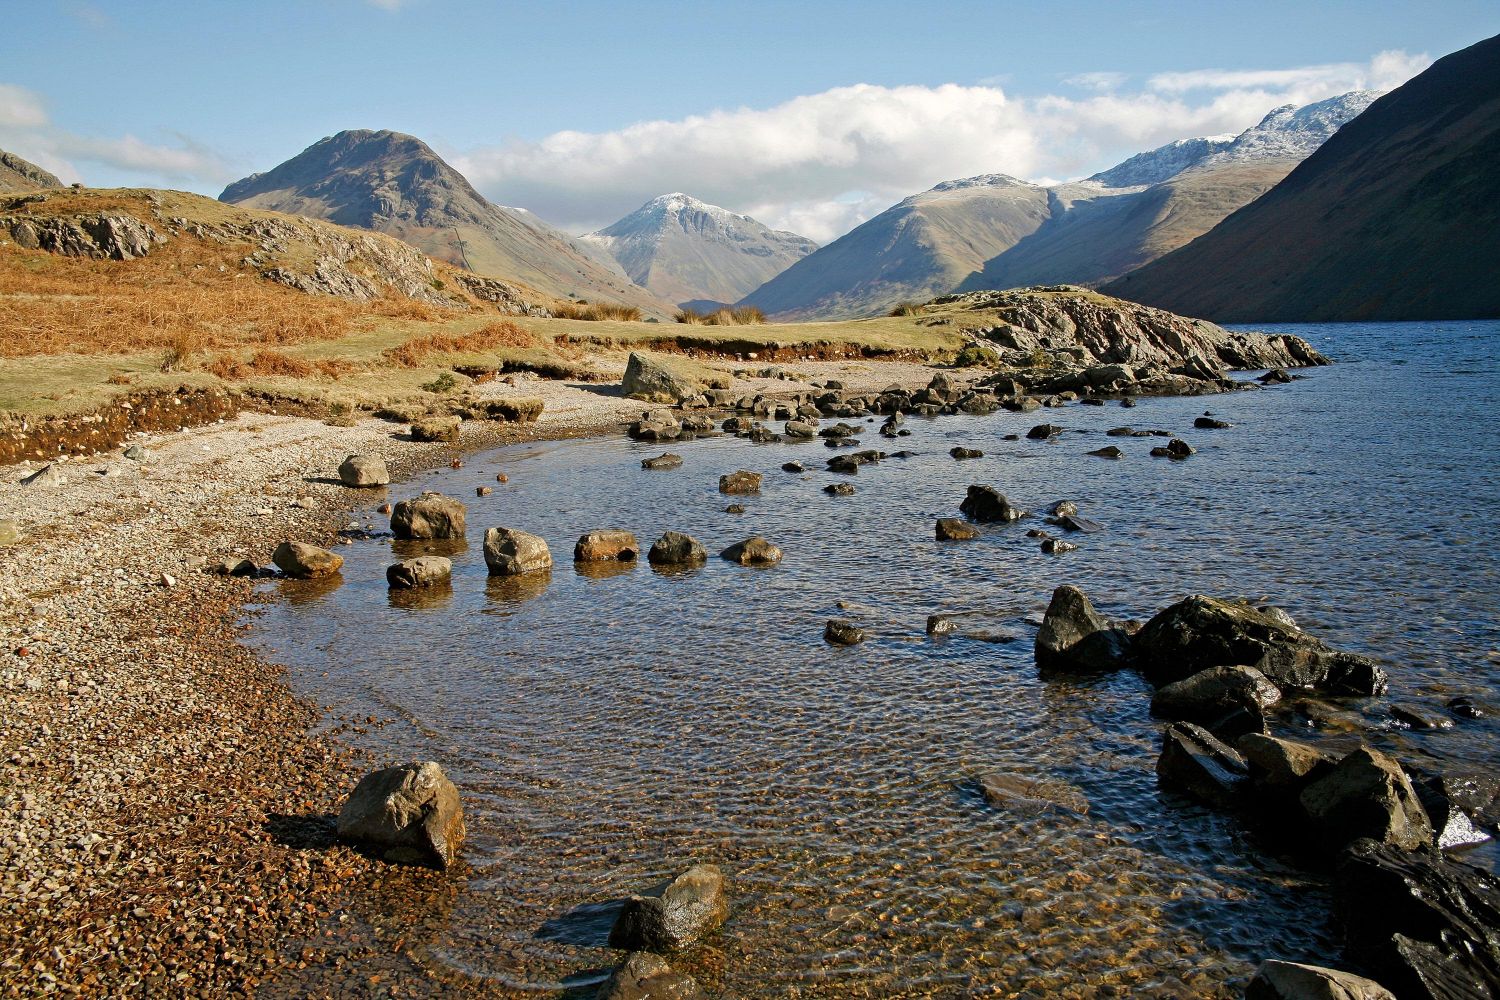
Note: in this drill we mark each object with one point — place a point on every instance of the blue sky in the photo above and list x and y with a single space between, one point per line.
811 114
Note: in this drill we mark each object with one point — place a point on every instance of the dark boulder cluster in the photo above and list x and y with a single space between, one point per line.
1429 924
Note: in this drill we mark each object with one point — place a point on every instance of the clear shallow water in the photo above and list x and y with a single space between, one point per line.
609 729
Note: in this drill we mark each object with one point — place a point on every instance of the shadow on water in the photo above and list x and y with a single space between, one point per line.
586 926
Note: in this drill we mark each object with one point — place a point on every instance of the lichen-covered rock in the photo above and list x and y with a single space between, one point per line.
673 915
509 552
305 562
431 515
412 812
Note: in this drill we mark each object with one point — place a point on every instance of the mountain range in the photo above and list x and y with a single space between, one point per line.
1397 216
995 231
698 255
395 184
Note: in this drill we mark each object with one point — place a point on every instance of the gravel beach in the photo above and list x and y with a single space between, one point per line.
166 801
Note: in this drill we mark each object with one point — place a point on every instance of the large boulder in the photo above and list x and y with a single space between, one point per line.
673 915
305 562
1367 794
509 552
1276 980
1195 762
431 515
607 545
364 470
754 551
985 503
1210 695
654 382
1074 636
411 812
1283 767
1427 925
644 976
423 571
674 548
1201 632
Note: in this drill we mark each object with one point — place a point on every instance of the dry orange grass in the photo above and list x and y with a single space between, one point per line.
275 363
593 312
500 334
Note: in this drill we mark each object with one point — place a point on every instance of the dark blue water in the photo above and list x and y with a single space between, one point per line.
609 729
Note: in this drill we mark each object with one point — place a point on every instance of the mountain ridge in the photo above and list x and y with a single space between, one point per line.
17 174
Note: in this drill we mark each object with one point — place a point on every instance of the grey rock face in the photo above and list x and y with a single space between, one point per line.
673 915
431 515
509 552
411 811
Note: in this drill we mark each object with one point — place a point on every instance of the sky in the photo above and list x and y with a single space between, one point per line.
810 116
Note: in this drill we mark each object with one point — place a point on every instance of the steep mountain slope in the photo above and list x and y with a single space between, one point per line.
916 250
395 184
17 174
686 251
1395 217
1096 234
1083 232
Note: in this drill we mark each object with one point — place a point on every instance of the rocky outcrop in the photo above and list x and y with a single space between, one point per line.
1074 636
364 470
1201 632
411 813
422 571
108 236
305 562
509 552
1293 981
431 515
674 915
17 174
607 545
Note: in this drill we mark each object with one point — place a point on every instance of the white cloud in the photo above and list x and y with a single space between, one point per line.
26 131
821 163
1103 80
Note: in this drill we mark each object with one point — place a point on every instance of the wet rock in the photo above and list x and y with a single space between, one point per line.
1042 432
1072 522
1174 449
1443 798
674 915
666 460
940 625
1467 707
987 504
645 976
1210 424
1284 767
843 633
1427 925
1127 401
1276 980
47 475
1420 718
431 515
962 454
510 552
1195 762
1201 632
839 489
411 812
846 464
1275 377
1037 533
754 551
1056 546
305 562
1063 508
1011 791
236 567
793 467
364 470
1367 794
659 426
740 483
800 429
674 548
1108 451
607 545
736 508
652 381
423 571
1074 636
436 429
1211 694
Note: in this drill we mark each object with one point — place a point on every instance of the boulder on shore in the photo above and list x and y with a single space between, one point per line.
1367 794
607 545
652 381
1074 636
431 515
674 548
411 811
305 562
1199 632
1276 980
673 915
423 571
364 470
987 504
509 552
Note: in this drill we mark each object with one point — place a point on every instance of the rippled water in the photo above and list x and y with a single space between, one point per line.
609 729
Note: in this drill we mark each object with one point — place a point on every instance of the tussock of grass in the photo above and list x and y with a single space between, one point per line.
737 316
594 312
274 364
907 309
